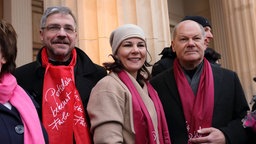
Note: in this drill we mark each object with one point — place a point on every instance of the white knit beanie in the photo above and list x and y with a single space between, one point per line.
124 32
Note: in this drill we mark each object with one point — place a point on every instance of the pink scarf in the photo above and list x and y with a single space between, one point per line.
143 125
249 121
198 110
11 92
63 111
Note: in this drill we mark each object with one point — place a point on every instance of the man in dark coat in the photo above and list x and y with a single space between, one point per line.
61 78
212 56
165 62
203 103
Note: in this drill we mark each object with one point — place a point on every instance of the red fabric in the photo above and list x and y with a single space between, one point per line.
63 112
198 110
144 129
11 92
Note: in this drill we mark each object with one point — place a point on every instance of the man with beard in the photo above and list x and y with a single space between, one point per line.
61 78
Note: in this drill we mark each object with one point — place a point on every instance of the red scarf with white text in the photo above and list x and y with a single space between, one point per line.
63 112
198 110
143 125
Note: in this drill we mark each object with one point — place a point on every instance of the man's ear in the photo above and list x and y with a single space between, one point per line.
173 45
205 42
41 34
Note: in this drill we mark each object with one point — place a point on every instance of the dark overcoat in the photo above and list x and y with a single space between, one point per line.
230 105
12 128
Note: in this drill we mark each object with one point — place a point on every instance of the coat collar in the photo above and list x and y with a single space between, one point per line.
84 65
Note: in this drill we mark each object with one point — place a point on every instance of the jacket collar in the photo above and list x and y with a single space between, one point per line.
84 65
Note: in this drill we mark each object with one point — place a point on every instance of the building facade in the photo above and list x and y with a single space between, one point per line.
233 23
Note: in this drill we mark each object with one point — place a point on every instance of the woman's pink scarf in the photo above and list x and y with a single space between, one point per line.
11 92
143 124
198 109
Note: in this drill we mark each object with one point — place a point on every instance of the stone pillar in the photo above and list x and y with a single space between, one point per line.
18 13
97 18
235 38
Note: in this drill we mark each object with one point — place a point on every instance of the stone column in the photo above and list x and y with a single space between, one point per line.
235 38
18 13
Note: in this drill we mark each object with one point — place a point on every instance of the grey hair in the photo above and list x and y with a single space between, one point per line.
175 29
53 10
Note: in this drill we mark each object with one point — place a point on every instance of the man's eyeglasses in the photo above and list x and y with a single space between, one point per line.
56 28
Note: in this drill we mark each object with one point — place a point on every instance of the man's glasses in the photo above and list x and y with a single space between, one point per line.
56 28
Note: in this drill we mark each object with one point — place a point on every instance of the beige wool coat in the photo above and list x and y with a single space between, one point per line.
110 110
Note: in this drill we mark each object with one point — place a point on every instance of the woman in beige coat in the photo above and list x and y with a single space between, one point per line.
123 107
